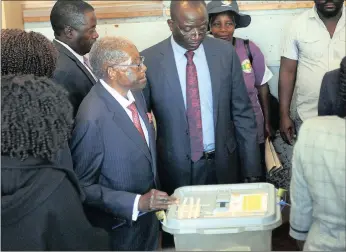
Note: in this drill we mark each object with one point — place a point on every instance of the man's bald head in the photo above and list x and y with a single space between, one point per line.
177 5
188 23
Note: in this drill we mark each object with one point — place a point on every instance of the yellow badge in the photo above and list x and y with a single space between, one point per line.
246 66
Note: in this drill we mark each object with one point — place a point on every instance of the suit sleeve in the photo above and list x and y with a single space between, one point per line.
88 153
244 121
325 104
65 80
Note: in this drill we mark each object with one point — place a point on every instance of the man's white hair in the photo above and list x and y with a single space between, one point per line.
109 51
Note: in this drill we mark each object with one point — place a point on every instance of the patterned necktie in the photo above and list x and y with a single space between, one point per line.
135 118
87 62
193 108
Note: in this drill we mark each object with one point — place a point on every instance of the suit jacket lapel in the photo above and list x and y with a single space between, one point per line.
171 72
214 70
121 118
64 50
148 125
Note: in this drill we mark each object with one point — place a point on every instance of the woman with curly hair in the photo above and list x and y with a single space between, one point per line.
332 99
41 201
27 53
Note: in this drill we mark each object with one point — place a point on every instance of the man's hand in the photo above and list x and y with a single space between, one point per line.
287 130
155 200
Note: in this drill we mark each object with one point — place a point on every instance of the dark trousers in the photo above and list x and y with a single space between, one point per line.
263 162
203 172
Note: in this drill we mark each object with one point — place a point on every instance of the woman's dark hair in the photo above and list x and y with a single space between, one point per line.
27 53
36 117
342 87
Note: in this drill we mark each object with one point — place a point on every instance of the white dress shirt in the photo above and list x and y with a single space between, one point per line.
79 57
125 103
205 89
308 41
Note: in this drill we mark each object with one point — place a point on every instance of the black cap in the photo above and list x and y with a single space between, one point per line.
217 6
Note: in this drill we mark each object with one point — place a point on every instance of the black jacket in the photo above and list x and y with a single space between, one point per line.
73 76
41 208
330 102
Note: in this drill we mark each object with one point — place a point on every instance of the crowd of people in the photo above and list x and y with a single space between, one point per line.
96 135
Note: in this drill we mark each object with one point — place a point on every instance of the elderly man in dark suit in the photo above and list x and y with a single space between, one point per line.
114 152
204 116
74 25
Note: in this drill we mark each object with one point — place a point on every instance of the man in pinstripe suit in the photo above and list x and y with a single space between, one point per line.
113 149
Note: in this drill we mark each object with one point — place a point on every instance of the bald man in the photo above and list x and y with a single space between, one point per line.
206 128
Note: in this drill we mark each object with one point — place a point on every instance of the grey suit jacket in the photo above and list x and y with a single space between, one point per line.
234 119
72 75
114 163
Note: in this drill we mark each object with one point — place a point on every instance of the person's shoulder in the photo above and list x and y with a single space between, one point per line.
304 16
219 47
91 108
332 76
219 43
253 46
155 49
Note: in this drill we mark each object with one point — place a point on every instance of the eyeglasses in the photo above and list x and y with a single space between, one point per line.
139 65
193 32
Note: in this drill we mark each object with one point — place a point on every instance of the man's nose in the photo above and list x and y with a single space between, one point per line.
196 34
96 35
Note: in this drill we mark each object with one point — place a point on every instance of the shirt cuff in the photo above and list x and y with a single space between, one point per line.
135 211
298 235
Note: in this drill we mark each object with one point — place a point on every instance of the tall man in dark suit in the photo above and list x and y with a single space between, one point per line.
114 152
74 25
204 116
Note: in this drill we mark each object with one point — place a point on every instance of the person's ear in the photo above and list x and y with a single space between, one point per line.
112 73
170 24
68 31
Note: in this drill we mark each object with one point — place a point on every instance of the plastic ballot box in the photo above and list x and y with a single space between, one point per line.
237 217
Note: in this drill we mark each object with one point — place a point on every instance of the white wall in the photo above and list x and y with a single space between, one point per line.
266 30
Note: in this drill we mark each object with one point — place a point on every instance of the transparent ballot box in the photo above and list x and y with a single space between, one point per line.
237 217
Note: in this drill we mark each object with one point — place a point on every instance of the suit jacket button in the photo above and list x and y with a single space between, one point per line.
187 157
187 132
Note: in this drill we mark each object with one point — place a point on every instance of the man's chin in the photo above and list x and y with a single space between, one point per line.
139 86
193 47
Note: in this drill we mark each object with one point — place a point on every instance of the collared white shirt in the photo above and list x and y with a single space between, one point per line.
79 57
308 41
205 89
125 103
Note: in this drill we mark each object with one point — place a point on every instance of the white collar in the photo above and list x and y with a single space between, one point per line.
79 57
180 51
121 99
